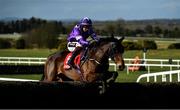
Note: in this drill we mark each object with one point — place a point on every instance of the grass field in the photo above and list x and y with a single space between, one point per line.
25 52
123 76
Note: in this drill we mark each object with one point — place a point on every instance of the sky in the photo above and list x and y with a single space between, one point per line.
94 9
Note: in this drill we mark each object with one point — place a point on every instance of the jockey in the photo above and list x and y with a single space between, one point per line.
79 34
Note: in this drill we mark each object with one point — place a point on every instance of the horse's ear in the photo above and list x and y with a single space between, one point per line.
121 39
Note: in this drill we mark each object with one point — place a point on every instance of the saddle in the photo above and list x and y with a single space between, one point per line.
82 56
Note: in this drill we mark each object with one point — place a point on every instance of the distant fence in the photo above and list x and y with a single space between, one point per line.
21 60
34 60
39 61
162 74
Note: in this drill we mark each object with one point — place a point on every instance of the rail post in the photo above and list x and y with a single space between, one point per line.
144 55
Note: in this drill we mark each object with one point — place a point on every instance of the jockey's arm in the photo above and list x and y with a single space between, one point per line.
94 36
83 42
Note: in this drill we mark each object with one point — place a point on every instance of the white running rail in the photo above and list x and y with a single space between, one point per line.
34 60
15 79
163 74
152 65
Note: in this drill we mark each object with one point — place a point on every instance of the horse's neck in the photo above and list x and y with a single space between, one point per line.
101 51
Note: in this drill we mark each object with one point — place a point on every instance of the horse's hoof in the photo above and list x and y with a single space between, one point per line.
102 88
101 92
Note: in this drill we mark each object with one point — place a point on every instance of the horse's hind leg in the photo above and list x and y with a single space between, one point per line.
50 72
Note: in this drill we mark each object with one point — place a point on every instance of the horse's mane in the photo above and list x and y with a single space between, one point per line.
108 39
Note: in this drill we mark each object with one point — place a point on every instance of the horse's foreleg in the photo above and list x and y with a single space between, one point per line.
111 76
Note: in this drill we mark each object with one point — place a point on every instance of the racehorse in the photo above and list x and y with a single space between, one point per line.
93 68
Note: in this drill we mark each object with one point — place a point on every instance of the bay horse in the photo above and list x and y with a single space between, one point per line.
93 68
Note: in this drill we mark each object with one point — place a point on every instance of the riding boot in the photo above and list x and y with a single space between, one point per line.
74 54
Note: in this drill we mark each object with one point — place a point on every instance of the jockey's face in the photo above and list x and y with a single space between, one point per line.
85 28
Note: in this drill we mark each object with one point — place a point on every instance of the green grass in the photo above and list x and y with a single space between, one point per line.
156 54
26 52
131 77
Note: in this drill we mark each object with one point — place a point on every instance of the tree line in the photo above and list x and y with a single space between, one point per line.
140 28
42 33
23 25
36 33
144 28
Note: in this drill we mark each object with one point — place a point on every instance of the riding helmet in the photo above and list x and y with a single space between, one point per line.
86 21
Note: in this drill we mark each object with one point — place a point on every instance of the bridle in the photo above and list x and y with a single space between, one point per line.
110 53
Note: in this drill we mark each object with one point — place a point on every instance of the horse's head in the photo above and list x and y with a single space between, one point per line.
116 52
108 48
98 58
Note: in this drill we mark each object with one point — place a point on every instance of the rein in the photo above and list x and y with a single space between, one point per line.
110 53
95 61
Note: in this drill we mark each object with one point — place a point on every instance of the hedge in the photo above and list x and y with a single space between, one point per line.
174 46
